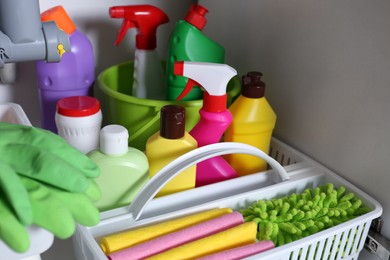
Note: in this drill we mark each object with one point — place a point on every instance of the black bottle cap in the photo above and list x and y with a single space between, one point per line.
172 121
252 86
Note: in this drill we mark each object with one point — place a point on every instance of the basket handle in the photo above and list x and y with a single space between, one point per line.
191 158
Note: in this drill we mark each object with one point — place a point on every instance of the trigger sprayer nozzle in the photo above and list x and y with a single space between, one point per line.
145 18
212 77
117 12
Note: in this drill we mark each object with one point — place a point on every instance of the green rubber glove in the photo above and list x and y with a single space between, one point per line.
15 193
43 156
12 232
58 210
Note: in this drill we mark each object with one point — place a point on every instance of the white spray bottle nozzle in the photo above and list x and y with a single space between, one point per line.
212 77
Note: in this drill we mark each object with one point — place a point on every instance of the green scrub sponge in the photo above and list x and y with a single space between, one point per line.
295 216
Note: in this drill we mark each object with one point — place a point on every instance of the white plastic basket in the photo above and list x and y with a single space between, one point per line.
298 173
13 113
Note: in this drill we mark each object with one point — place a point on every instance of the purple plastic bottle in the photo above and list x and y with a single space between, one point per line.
74 75
215 118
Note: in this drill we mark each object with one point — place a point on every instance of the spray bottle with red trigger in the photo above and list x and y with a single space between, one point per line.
149 78
215 118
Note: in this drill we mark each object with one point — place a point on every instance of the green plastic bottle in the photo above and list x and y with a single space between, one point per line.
123 170
189 43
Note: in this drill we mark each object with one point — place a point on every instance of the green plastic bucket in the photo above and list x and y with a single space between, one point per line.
141 116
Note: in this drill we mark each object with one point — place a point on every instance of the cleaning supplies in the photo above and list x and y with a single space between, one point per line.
78 120
74 75
149 77
240 235
188 43
253 123
215 118
124 170
295 216
169 143
118 241
178 238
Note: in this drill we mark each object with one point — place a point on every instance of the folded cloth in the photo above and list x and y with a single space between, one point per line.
132 237
240 235
241 252
178 238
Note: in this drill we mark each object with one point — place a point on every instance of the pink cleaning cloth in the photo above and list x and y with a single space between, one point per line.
241 252
179 237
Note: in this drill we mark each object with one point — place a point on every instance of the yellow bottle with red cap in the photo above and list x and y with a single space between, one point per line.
253 123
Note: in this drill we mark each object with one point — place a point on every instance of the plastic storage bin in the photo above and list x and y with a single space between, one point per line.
40 239
343 241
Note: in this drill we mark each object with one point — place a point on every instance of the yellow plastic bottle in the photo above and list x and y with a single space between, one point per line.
253 123
169 143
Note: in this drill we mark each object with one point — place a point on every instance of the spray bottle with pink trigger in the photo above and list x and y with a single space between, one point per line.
149 78
215 118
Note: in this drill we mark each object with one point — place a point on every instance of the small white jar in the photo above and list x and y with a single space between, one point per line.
78 120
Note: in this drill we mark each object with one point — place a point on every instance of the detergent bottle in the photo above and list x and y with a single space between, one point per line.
253 123
123 169
215 118
169 143
188 43
148 77
74 75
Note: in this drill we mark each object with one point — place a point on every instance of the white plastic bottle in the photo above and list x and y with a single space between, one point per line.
78 120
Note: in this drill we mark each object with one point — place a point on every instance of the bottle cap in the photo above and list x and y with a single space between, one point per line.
114 140
60 17
196 16
252 85
172 122
78 106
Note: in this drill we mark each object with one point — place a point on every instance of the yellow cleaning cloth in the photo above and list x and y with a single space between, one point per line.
240 235
129 238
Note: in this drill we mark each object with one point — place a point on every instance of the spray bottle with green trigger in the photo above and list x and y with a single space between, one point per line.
149 78
215 118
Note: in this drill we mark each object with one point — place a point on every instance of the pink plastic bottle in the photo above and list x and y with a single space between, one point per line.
215 118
